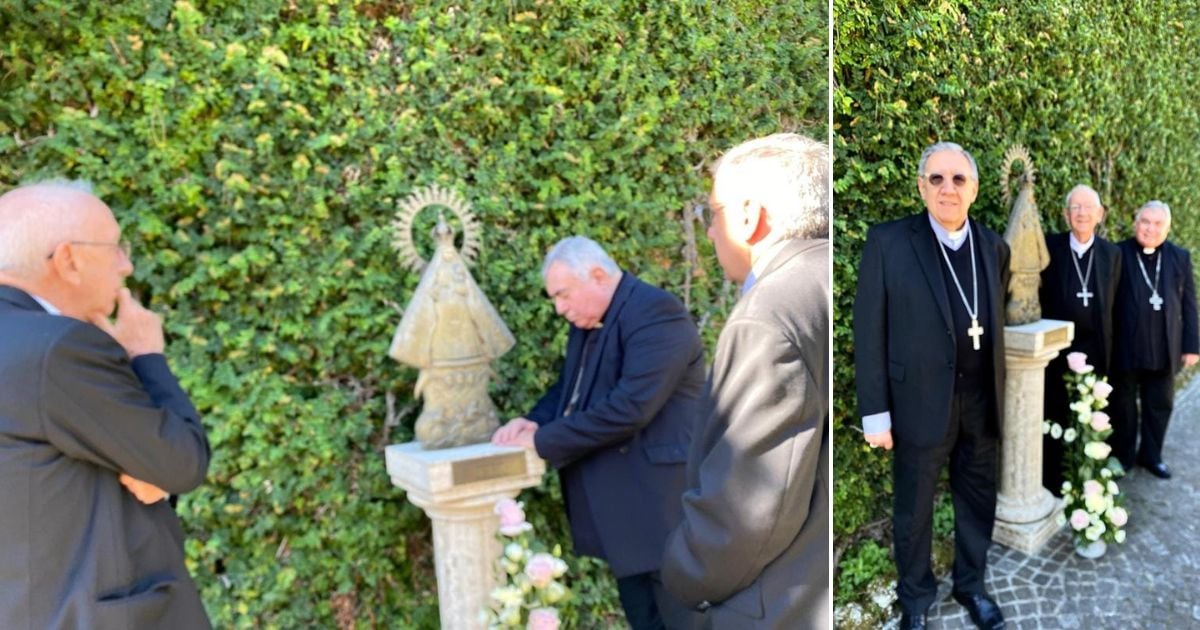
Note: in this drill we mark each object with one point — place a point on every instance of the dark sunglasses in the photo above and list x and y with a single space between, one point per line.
937 179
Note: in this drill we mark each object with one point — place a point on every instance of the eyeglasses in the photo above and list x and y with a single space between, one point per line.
937 179
1077 208
125 247
705 213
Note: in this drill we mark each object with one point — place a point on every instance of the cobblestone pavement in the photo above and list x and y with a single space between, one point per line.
1150 581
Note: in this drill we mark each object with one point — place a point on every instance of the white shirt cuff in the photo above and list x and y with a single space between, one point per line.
877 422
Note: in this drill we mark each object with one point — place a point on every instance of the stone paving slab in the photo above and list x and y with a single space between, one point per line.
1151 581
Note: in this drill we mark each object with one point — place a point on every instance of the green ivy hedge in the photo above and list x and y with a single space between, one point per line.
1100 91
254 151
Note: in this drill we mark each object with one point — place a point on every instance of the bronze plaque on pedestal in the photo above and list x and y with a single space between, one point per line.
490 467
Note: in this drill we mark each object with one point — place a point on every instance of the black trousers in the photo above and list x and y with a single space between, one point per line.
973 453
648 606
1056 409
1155 390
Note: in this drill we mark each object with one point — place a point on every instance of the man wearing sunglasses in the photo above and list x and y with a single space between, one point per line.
929 361
1080 286
94 428
1155 336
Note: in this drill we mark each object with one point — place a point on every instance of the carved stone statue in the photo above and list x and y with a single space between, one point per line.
1024 235
450 331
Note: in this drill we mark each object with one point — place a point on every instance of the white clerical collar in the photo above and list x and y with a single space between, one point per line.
1080 248
50 308
761 263
954 239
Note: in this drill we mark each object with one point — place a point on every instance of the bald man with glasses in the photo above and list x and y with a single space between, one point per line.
929 362
94 428
1079 285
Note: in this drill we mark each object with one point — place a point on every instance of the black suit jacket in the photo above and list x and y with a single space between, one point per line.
755 536
621 453
904 342
1058 299
1178 291
79 550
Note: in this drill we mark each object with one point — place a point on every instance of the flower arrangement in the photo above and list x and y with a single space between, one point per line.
531 590
1090 496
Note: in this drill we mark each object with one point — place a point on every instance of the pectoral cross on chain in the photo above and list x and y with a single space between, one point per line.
1085 294
975 332
1156 302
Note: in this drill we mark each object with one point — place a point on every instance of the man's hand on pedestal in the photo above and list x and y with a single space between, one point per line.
518 432
1190 359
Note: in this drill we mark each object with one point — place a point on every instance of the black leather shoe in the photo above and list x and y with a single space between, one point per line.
1159 470
984 612
912 622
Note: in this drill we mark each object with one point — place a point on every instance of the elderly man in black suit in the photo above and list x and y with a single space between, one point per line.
754 543
1155 335
618 421
1079 285
92 425
929 361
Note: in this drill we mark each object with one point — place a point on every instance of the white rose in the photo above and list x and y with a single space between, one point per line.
1097 450
1069 435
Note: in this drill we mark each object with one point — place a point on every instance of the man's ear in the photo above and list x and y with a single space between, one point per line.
65 265
598 275
752 223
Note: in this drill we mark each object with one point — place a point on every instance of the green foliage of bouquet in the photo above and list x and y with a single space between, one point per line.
1090 496
532 591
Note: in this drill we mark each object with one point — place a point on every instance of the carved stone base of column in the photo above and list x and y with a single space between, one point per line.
1027 537
458 489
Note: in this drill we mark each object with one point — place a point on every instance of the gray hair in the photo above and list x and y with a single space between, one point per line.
938 147
1154 205
1079 188
580 254
792 172
34 218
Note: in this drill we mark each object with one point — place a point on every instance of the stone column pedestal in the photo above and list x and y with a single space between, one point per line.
1025 511
458 489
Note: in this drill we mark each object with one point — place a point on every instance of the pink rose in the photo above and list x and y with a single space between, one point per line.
1101 390
1077 361
543 619
1100 421
512 517
1079 519
1092 487
540 569
1119 517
